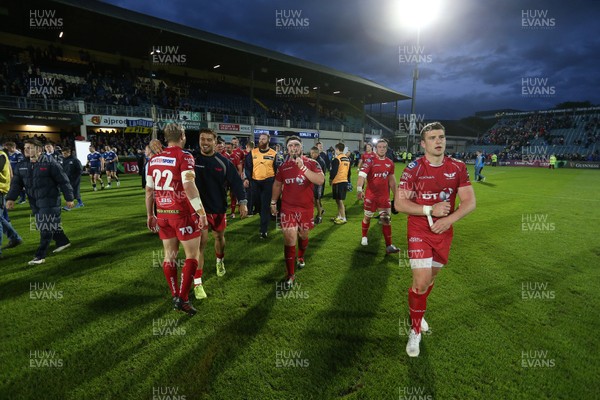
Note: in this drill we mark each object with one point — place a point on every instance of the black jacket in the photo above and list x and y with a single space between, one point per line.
72 167
213 175
41 181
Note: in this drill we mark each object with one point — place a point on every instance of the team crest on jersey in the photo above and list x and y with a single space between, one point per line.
450 176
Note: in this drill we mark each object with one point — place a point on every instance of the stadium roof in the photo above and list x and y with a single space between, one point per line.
95 25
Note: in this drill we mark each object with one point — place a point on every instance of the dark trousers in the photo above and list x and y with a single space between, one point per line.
249 197
76 193
262 191
47 221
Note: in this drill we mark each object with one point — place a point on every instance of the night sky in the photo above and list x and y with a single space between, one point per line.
476 54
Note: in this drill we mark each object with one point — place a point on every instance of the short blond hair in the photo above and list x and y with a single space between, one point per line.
173 132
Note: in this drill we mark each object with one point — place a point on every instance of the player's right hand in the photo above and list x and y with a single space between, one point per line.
360 195
152 224
441 209
274 210
10 204
202 221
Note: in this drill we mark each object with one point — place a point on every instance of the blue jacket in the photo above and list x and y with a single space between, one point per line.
41 180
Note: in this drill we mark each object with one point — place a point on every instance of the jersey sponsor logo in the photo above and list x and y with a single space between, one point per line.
406 176
411 165
429 196
164 201
426 177
416 253
414 239
167 161
381 175
161 211
446 193
450 176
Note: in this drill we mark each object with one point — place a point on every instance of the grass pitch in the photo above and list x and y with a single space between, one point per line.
513 315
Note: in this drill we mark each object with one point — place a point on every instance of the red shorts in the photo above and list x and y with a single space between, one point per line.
429 246
184 228
216 222
301 219
372 202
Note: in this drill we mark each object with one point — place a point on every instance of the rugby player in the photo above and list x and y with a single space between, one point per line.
427 193
378 171
180 215
96 165
110 163
213 171
295 182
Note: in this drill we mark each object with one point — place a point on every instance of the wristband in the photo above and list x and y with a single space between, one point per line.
197 204
359 189
303 168
427 210
273 202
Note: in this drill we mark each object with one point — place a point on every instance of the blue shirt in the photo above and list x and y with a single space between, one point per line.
479 161
109 156
15 157
94 159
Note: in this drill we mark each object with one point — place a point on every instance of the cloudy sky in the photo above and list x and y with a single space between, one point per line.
476 54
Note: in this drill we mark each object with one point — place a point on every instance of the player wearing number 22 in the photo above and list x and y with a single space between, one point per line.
427 193
180 216
295 182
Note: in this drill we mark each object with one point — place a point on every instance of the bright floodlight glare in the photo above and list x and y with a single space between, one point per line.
415 14
374 140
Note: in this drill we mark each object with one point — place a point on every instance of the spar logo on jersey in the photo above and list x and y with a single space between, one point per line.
167 161
450 176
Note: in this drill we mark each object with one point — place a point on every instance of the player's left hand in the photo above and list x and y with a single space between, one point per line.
441 225
243 211
360 195
202 221
274 209
70 204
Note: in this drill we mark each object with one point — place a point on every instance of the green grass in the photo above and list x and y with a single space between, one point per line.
347 322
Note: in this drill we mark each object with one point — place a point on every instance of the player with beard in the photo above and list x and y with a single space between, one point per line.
295 182
180 215
262 166
368 154
213 173
427 192
378 171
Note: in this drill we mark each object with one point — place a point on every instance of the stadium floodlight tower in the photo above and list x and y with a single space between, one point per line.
415 15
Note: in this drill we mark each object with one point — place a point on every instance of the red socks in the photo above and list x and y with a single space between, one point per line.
290 258
220 255
170 271
198 273
302 245
417 304
365 228
387 234
187 277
